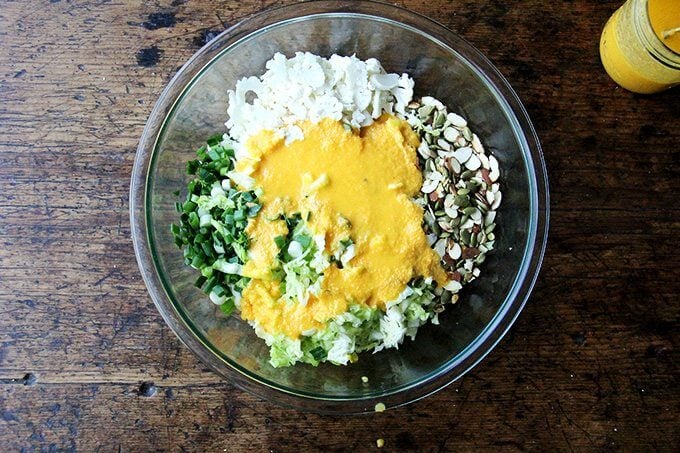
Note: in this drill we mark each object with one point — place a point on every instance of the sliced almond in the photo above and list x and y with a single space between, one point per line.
429 186
494 172
455 251
453 286
477 144
496 200
456 120
440 247
463 154
451 134
473 163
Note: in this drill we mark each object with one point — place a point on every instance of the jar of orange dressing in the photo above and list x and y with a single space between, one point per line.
640 45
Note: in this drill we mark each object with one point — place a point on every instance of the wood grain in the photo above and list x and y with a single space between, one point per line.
591 364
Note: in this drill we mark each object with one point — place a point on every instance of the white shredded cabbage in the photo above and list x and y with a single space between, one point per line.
309 87
359 329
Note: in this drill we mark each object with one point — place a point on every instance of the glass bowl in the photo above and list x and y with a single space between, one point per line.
193 107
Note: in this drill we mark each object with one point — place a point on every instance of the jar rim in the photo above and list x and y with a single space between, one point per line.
656 48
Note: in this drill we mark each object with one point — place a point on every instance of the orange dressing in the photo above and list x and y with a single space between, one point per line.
664 15
368 182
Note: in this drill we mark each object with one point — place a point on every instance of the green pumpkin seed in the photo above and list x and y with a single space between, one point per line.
425 111
462 200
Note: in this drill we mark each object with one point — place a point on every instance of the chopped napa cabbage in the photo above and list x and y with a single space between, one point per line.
359 329
301 262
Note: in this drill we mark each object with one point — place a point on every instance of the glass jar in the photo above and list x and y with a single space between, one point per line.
640 45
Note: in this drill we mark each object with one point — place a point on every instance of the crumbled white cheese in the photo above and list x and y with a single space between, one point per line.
309 87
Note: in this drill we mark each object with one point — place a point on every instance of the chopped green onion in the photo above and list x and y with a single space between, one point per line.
228 306
189 206
218 290
200 281
193 220
239 214
319 353
253 210
304 240
280 241
197 262
214 140
213 154
346 242
192 166
211 227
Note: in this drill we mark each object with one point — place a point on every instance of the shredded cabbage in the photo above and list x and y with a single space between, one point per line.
301 261
309 87
359 329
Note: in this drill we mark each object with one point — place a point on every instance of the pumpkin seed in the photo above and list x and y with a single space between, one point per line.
425 111
439 119
467 174
462 200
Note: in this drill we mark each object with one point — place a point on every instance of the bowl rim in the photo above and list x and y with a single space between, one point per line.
535 245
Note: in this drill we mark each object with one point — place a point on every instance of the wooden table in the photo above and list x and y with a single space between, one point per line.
591 364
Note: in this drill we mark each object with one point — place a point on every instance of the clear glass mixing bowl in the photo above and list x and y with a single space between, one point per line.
193 107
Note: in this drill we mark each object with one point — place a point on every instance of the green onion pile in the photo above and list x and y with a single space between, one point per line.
212 224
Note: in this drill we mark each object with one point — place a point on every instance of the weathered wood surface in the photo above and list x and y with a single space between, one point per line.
591 364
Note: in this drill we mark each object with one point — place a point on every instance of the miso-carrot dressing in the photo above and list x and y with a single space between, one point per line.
369 180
